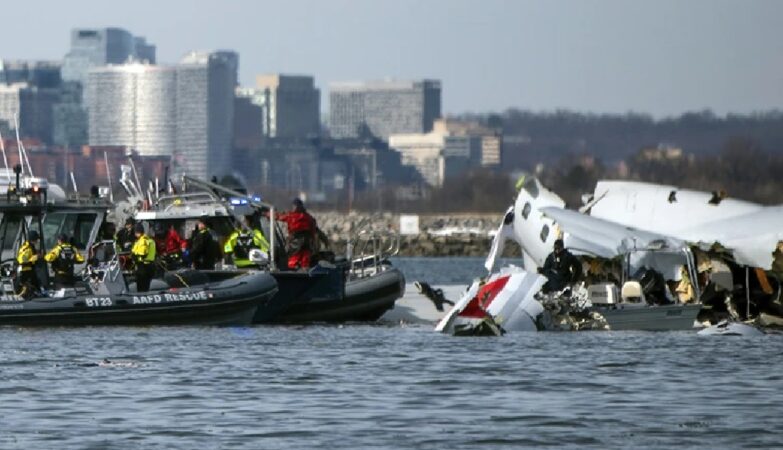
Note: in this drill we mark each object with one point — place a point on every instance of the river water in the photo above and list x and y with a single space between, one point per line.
386 386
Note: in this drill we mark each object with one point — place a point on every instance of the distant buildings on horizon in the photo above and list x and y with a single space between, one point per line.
108 92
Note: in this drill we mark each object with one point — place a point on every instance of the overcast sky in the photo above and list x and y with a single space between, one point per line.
662 57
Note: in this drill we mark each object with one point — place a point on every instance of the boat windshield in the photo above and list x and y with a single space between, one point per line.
9 230
76 226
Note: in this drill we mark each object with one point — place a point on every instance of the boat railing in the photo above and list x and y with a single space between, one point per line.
168 202
369 250
103 271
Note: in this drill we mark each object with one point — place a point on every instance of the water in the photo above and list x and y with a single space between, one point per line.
370 386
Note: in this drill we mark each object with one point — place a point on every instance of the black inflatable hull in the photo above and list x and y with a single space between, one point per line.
304 299
230 302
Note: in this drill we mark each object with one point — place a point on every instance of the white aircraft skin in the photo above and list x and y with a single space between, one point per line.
751 231
652 223
529 225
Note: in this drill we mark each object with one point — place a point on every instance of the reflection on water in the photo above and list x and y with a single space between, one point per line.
367 386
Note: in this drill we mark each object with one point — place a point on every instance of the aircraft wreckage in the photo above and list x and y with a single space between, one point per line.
650 257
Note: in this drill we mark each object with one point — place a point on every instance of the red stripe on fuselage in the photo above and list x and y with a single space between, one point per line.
476 307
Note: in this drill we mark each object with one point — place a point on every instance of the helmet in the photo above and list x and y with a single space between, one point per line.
33 236
139 228
62 237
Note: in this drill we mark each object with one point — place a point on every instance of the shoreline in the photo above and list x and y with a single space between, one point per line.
444 235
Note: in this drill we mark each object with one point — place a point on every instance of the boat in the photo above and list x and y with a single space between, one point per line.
231 302
359 287
103 296
512 300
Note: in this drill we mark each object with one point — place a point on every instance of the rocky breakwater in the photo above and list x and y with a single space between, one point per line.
438 234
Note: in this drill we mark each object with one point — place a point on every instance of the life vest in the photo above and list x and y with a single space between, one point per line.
245 242
65 260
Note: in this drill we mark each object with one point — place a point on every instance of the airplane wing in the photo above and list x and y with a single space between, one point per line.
598 237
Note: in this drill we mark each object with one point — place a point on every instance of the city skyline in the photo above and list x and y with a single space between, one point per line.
663 58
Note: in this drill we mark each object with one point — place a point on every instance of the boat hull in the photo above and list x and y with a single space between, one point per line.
231 302
364 300
324 295
650 318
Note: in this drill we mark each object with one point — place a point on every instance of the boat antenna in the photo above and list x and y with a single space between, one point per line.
108 176
73 180
22 153
5 159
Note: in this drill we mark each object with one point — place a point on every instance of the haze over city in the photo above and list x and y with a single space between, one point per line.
661 58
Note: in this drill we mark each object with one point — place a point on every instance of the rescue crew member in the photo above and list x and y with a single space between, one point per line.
171 248
63 257
301 235
143 252
203 248
126 237
27 257
561 268
244 239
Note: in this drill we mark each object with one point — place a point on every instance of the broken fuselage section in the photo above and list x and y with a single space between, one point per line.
632 277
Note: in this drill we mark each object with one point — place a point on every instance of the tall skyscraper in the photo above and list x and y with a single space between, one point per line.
132 105
383 108
205 113
92 47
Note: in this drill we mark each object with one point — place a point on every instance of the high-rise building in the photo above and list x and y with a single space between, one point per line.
32 107
41 74
205 113
92 47
132 105
184 111
290 105
69 117
29 91
383 108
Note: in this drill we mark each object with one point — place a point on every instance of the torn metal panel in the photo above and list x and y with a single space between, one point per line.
748 230
752 238
506 297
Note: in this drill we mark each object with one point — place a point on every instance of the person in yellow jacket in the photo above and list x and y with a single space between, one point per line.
27 258
243 240
63 257
143 252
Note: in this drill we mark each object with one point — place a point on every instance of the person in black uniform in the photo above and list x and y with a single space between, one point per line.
561 268
126 237
203 248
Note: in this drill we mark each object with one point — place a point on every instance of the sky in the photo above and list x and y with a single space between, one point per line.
661 57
